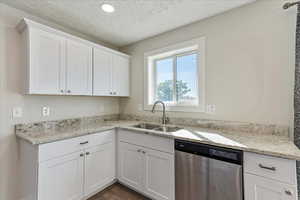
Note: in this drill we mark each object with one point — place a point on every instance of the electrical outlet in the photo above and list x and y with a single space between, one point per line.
17 112
211 108
45 111
101 108
140 107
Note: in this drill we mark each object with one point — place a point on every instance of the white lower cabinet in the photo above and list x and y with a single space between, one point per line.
99 167
148 171
269 178
77 168
130 165
259 188
71 169
61 178
159 174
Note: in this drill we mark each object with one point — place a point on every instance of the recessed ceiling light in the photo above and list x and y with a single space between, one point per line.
108 8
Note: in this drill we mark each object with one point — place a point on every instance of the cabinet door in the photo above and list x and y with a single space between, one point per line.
120 75
159 175
79 68
46 66
102 76
259 188
61 178
99 167
131 165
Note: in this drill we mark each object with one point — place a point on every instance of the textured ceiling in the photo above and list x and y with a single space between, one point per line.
133 20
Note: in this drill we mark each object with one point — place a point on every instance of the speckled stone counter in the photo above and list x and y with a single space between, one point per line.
272 143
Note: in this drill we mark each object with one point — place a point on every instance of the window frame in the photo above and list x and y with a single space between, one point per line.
174 51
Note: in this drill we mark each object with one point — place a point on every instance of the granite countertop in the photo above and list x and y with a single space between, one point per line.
267 144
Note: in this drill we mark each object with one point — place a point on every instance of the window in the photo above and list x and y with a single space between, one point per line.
175 75
176 79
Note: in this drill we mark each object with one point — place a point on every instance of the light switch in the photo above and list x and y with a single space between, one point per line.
17 112
211 108
45 111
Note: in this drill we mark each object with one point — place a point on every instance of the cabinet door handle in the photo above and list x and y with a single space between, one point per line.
139 150
288 192
84 142
110 93
87 153
68 91
81 154
115 93
268 168
143 152
62 91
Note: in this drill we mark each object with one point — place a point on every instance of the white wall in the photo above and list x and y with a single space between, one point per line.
10 96
249 63
250 73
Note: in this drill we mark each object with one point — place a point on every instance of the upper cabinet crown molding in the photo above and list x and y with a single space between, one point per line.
27 23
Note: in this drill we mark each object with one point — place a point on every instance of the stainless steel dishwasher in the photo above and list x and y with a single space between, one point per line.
204 172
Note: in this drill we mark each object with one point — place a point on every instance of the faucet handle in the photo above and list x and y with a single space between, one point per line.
165 120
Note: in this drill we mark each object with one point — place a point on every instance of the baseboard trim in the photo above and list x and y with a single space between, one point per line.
101 189
130 187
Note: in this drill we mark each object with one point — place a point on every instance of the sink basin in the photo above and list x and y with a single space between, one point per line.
156 127
147 126
167 129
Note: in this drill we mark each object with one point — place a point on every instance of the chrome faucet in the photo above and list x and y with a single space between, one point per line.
164 118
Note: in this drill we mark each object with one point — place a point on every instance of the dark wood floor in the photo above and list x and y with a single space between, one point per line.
118 192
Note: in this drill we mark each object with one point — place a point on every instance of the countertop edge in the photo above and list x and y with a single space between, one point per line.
156 133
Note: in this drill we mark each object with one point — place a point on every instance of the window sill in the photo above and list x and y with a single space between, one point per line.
175 108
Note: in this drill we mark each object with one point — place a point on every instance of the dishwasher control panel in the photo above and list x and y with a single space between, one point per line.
218 153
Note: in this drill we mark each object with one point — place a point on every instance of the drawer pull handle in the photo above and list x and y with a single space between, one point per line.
268 168
143 152
139 150
81 154
288 192
84 142
87 153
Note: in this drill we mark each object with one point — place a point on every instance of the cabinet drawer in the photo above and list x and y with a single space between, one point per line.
101 138
146 140
63 147
283 170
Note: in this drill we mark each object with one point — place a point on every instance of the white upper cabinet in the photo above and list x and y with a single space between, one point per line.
102 76
111 74
46 62
78 68
120 75
58 63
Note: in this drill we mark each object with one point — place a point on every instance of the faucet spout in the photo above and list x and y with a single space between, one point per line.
164 118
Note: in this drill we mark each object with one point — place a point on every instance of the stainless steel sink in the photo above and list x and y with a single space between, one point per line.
147 126
167 129
156 127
